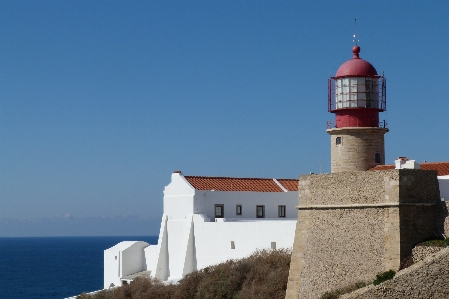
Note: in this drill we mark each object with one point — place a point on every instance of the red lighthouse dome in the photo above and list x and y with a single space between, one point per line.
356 66
356 93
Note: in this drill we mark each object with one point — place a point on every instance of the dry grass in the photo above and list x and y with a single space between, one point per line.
263 275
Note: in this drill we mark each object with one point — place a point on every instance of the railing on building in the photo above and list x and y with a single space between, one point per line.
332 124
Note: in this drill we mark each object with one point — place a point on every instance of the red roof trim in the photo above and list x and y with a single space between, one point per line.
241 184
289 184
442 168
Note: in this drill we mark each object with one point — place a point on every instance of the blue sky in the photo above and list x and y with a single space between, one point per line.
100 101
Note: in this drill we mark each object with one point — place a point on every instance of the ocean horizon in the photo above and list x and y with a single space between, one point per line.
55 267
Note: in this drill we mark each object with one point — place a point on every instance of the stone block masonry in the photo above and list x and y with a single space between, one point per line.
354 225
355 149
442 219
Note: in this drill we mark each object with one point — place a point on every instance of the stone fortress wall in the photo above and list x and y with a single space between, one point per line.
354 225
442 218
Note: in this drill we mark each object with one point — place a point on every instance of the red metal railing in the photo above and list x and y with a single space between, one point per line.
380 124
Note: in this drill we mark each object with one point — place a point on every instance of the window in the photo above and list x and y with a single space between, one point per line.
377 158
281 211
338 140
260 211
238 209
219 211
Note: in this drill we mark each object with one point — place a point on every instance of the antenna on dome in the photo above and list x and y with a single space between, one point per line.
355 36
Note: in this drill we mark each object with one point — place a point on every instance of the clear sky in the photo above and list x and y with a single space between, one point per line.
100 101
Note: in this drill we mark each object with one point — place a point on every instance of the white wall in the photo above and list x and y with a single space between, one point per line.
196 243
133 258
176 230
204 202
112 265
444 186
157 255
125 258
213 239
178 198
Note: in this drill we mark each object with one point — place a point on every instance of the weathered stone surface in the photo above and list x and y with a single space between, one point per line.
354 225
428 279
421 252
442 220
357 149
418 254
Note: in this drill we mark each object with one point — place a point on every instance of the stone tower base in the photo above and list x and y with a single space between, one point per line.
356 149
354 225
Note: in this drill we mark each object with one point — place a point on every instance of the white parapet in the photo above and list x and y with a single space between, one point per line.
123 259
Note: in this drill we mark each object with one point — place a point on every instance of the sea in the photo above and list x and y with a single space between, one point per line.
54 267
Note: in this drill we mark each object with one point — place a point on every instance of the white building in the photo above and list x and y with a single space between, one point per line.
206 221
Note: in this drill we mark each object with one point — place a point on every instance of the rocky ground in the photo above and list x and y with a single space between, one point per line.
428 278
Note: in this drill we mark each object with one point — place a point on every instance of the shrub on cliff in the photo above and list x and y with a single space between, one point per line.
384 277
139 288
435 243
446 242
263 275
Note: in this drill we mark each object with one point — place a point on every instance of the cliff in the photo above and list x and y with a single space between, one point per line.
428 278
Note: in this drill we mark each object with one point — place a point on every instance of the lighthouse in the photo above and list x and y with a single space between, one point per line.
356 95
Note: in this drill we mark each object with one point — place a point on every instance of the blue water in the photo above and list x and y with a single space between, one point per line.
54 267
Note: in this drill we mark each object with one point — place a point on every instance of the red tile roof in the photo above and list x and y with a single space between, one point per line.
240 184
289 184
441 167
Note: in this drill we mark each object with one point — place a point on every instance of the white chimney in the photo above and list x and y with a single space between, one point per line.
404 163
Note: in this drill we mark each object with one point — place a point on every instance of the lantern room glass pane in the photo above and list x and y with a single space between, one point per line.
357 92
353 101
361 87
354 85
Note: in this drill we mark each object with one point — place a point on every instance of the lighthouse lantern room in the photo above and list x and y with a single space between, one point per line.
356 95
